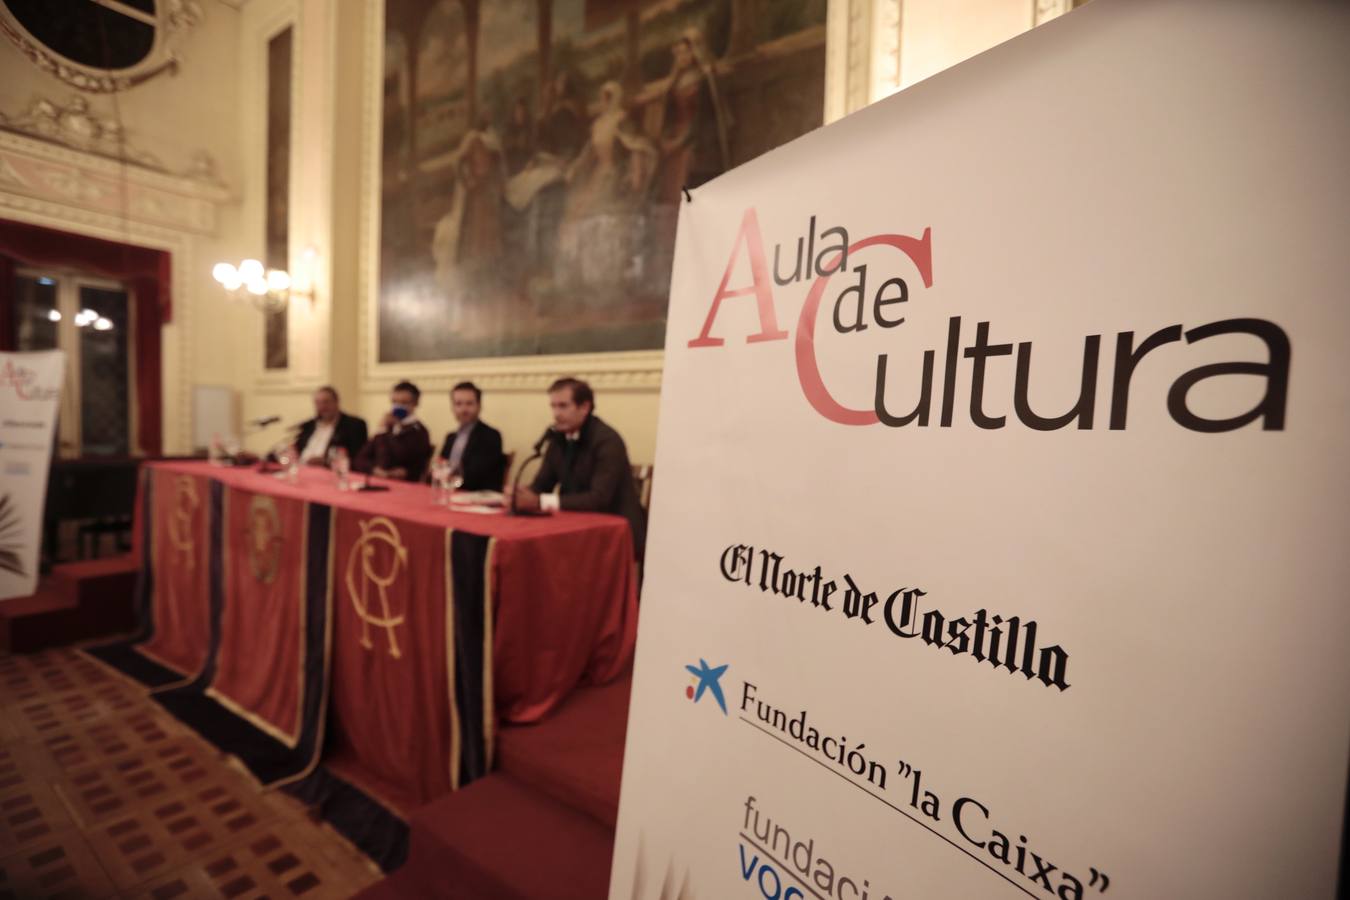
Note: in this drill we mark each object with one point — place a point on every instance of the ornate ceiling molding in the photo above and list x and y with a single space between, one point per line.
172 21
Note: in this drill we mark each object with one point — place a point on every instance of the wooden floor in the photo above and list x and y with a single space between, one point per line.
103 795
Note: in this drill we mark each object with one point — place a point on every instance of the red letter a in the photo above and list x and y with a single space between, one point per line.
759 273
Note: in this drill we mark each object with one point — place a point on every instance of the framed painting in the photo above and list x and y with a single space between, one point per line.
532 155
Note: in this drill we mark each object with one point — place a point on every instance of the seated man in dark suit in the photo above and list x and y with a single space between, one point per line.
475 450
330 429
588 460
403 448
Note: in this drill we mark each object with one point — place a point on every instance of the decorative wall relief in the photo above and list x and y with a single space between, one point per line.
76 126
534 154
44 172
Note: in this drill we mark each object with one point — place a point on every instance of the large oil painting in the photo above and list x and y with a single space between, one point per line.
535 152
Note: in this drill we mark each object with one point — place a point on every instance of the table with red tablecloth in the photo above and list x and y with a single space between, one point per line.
379 633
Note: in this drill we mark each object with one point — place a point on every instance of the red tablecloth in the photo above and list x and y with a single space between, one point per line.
559 597
261 657
180 555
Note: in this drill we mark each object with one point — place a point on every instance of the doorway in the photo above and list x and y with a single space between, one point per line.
92 320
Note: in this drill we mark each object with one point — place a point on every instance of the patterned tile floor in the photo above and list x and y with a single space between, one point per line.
104 795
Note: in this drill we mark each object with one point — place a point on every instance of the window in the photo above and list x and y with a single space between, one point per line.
115 36
99 45
91 320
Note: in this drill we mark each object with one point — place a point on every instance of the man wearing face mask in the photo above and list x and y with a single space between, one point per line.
403 448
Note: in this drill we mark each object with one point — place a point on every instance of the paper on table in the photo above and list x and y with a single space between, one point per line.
479 498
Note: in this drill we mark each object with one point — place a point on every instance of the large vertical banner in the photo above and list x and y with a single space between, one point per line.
998 545
30 394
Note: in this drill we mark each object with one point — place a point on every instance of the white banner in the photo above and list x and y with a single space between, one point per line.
1001 503
30 394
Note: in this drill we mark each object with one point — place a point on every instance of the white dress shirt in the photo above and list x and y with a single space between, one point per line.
318 441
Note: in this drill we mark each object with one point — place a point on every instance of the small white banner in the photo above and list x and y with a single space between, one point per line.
30 395
999 531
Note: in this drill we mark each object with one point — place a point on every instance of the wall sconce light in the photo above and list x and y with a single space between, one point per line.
268 289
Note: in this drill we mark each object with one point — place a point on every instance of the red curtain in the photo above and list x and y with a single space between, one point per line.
145 272
6 303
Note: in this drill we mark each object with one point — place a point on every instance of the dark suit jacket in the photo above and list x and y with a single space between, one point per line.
350 434
409 449
600 478
482 461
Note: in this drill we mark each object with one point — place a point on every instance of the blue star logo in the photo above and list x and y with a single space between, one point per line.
709 679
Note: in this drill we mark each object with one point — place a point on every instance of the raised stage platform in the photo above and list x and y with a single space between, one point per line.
541 825
77 602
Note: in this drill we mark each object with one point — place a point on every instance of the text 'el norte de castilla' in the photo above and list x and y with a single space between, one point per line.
1007 643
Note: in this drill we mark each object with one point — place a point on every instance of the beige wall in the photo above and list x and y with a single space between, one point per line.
937 34
216 102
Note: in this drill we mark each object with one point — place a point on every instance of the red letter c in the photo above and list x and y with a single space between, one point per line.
920 252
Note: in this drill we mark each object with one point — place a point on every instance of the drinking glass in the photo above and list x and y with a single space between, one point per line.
440 477
289 461
340 464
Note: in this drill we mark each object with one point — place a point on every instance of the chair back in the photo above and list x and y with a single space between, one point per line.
508 460
642 478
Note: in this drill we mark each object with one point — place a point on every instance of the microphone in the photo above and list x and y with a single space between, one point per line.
538 452
264 421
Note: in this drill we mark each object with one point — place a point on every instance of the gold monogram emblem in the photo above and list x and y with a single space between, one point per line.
380 554
264 538
185 503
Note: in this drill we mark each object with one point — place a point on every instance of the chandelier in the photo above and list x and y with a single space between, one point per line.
267 289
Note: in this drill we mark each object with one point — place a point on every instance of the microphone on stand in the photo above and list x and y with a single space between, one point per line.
543 439
259 424
537 452
366 486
